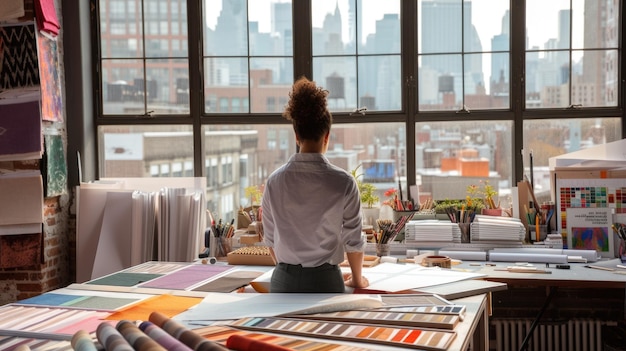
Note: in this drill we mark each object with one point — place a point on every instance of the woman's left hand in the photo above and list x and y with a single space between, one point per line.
362 283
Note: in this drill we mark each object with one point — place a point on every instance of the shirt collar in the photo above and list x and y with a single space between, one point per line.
308 157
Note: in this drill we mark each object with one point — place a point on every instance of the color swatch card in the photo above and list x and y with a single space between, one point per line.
406 337
187 277
419 299
220 334
85 299
408 319
47 323
447 309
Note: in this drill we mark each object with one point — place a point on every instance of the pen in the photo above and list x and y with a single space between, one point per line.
600 268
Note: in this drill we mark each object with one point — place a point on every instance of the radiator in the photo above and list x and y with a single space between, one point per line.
574 335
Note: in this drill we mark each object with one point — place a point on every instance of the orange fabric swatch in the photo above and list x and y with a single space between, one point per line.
168 305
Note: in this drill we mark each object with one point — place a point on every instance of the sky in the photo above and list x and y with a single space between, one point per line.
542 15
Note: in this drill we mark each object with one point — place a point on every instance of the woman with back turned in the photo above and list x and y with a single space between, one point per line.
311 211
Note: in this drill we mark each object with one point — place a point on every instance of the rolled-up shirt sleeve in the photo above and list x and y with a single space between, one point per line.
354 241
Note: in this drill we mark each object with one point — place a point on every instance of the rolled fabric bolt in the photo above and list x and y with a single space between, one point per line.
138 339
188 337
244 343
81 341
438 261
162 337
111 339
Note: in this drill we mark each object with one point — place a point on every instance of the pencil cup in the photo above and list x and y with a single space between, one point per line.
532 233
222 246
465 232
382 250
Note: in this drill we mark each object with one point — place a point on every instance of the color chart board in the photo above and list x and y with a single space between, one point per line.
589 193
414 338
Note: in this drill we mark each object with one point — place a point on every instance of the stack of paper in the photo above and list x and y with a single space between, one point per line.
180 221
493 228
432 230
124 222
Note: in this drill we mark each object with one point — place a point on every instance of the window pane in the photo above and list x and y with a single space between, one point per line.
441 26
547 24
225 24
595 24
120 28
594 80
547 77
132 85
271 30
452 155
481 94
119 93
144 151
380 83
338 76
270 77
334 29
167 86
378 27
556 76
248 83
224 78
463 54
553 137
440 82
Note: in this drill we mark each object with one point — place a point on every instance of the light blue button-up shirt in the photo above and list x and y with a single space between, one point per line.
311 212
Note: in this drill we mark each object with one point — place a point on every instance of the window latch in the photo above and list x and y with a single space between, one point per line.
464 109
359 110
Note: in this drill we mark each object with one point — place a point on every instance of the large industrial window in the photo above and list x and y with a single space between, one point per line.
439 93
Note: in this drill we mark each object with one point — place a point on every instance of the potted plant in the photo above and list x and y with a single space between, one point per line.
369 198
483 196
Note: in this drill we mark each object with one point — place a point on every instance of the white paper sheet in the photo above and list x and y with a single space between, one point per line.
219 306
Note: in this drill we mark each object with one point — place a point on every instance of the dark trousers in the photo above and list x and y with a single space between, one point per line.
326 278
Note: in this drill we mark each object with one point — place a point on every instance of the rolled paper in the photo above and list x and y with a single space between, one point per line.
111 339
496 256
82 341
244 343
389 259
188 337
138 339
162 337
465 255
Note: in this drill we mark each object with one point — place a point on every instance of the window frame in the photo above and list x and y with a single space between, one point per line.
409 113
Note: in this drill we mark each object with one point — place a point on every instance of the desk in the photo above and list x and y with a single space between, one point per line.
594 298
577 276
472 331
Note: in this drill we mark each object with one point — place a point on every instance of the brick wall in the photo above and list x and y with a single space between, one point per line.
39 262
51 269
